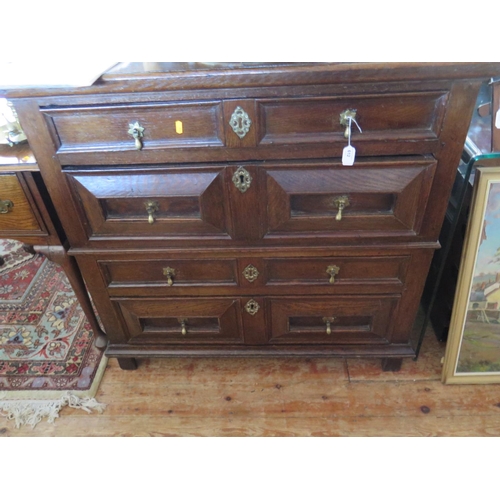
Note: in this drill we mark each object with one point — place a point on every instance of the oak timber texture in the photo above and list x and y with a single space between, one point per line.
285 397
20 217
178 196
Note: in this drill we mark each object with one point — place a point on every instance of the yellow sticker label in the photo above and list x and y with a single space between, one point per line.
178 127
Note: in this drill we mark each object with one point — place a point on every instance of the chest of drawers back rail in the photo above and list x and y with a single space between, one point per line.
211 215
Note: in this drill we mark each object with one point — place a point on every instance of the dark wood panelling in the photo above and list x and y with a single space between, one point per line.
414 119
106 128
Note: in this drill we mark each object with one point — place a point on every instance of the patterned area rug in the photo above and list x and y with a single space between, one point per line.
47 354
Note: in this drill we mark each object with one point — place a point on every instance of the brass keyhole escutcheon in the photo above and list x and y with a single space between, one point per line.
328 321
183 323
332 271
252 307
240 122
341 203
151 207
242 179
6 206
170 274
137 132
250 273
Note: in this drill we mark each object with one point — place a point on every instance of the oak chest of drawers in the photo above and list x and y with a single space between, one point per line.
211 214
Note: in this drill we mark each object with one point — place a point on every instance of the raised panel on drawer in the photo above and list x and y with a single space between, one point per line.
353 320
155 273
105 128
395 117
340 273
381 198
159 321
16 216
188 203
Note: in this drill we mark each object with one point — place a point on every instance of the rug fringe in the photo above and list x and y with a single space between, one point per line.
32 412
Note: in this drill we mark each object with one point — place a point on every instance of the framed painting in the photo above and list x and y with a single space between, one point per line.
473 347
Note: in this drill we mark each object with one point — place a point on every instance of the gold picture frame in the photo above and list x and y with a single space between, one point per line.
473 347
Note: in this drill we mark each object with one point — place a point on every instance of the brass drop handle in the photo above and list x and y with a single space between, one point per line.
183 323
328 322
137 132
6 206
151 207
346 118
332 271
169 273
341 202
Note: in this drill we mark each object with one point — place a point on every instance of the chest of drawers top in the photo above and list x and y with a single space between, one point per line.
184 112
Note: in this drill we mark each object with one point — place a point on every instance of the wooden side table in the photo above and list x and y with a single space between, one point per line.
27 215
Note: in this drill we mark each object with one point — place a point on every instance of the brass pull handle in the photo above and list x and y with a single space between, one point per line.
137 132
332 271
341 202
169 273
183 323
151 207
6 206
328 322
346 118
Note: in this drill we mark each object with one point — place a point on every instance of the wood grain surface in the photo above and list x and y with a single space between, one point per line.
281 397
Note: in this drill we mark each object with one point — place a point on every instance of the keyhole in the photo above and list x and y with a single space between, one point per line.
242 178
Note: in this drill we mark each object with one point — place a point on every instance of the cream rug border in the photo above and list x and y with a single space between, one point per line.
45 395
24 409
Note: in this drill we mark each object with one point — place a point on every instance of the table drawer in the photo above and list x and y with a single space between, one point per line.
16 214
248 128
152 203
321 320
170 277
382 118
181 321
372 198
341 273
110 128
169 274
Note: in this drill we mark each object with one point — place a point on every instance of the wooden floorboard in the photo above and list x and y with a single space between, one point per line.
281 397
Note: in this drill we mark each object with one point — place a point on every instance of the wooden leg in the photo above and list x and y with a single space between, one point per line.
68 263
391 364
29 249
127 363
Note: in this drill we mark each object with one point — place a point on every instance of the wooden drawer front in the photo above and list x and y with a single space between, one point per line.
339 273
101 128
379 199
160 321
16 214
184 203
353 320
170 273
397 117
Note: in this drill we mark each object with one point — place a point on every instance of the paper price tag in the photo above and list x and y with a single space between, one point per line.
497 119
348 156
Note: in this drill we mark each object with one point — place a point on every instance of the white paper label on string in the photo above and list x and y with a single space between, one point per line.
348 156
497 119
